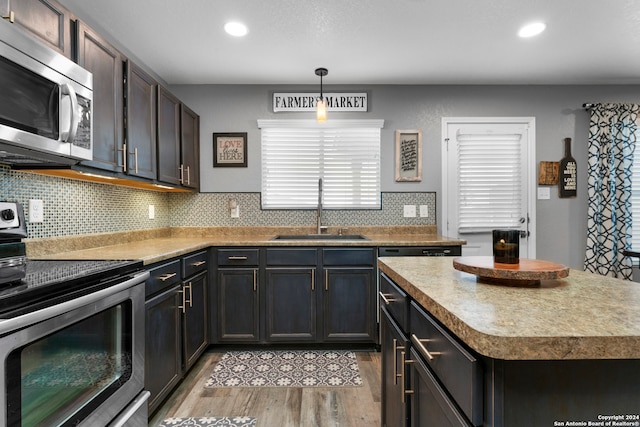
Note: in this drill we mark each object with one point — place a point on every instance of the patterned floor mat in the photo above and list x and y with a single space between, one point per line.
209 421
286 368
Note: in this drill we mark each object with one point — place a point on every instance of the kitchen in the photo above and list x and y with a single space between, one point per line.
80 207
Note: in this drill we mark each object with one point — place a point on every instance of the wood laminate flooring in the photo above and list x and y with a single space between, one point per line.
281 406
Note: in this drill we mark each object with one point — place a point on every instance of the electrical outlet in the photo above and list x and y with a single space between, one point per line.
152 211
424 211
36 210
235 211
409 211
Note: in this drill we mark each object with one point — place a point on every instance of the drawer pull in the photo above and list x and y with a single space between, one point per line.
420 344
199 263
237 258
404 361
386 298
167 276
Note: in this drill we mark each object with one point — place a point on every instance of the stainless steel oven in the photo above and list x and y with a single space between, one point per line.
76 358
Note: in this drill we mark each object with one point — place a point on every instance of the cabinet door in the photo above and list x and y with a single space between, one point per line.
141 123
168 137
430 406
195 321
106 64
291 304
394 378
48 20
190 146
163 346
238 314
349 304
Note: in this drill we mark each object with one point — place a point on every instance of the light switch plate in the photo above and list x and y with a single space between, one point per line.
152 211
36 210
409 211
544 193
424 211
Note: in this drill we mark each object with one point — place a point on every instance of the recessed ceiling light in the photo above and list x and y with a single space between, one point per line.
236 29
531 30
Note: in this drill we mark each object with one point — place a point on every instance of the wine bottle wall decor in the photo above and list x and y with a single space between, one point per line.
568 182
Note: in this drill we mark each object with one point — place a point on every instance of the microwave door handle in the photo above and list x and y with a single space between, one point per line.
75 118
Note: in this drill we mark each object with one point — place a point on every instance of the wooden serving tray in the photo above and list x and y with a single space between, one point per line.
527 272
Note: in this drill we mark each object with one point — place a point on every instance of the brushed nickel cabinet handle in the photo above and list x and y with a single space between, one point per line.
183 307
420 344
395 361
167 276
313 279
11 17
188 176
404 362
124 157
385 298
181 169
326 280
190 300
255 280
198 263
135 158
237 258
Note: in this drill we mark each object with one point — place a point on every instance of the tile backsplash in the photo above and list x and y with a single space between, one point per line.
74 207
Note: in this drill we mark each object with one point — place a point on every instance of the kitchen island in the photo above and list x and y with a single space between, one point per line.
561 352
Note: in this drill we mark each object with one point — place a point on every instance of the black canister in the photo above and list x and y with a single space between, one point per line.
506 246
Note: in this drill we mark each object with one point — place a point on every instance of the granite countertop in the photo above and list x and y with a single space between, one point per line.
583 316
159 245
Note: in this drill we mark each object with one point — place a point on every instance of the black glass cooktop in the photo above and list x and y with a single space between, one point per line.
46 280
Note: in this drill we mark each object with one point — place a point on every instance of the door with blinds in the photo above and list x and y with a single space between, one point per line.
489 181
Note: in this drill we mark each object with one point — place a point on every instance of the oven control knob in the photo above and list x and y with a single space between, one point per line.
7 215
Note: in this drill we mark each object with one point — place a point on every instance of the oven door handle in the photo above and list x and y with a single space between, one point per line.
15 323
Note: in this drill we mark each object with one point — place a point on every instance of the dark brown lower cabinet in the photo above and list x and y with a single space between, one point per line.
237 305
291 304
194 318
163 349
393 341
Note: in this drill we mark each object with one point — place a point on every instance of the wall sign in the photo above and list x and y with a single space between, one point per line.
408 155
568 172
230 150
306 101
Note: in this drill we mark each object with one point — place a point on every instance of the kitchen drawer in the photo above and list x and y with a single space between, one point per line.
459 371
162 276
348 256
194 263
395 301
238 257
431 406
292 257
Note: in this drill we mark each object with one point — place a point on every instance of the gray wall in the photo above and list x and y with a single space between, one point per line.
557 109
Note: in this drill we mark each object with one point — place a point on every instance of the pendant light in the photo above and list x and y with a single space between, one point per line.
321 104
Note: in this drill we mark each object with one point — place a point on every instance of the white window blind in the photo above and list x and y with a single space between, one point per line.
490 182
297 153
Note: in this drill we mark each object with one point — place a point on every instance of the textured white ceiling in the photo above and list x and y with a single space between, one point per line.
377 41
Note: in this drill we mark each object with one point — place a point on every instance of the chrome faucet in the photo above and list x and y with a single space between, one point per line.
319 218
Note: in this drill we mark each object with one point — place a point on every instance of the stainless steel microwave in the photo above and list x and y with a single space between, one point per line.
46 104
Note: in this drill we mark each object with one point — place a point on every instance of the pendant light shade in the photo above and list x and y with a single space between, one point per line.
321 104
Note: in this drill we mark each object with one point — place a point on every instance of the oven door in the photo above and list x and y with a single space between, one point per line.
80 362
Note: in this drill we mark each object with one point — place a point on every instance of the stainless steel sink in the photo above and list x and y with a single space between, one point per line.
320 237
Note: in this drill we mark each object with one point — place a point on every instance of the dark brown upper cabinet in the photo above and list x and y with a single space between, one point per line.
168 137
106 64
47 20
190 148
140 120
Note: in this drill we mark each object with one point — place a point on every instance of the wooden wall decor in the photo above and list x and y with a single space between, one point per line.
548 173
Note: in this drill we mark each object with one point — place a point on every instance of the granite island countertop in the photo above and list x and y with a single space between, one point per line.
157 245
583 316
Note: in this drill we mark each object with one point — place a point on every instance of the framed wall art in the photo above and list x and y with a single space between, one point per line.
230 150
408 155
